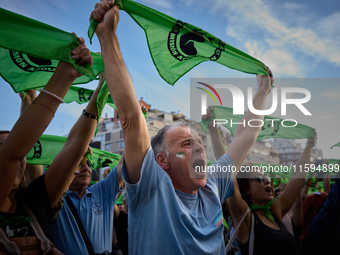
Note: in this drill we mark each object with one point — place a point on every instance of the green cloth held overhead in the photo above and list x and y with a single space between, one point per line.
102 98
336 145
272 128
48 146
176 47
30 51
82 95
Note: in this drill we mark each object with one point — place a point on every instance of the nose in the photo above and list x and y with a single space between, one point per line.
198 147
84 168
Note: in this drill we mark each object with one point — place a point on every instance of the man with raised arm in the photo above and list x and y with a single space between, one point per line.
172 209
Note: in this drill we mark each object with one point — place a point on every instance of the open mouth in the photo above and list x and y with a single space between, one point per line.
269 190
199 169
199 166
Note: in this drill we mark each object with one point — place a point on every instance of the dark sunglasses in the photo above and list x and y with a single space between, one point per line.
260 178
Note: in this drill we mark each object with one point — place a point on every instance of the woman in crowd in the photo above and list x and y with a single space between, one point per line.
25 213
253 190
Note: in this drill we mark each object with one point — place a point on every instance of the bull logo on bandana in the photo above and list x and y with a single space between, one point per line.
183 43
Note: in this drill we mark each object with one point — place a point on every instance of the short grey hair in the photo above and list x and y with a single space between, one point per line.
158 141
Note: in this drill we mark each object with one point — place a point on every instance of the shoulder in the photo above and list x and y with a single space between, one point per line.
37 187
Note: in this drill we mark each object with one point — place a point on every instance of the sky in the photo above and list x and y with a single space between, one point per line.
296 39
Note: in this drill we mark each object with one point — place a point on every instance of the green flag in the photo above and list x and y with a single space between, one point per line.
48 146
82 95
46 149
104 158
272 127
30 51
176 47
336 145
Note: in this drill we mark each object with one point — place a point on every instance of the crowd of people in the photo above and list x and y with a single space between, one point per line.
164 206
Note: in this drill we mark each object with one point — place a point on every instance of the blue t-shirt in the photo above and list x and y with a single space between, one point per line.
95 210
163 220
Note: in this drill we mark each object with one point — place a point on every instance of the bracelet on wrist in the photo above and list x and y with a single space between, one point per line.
89 115
52 95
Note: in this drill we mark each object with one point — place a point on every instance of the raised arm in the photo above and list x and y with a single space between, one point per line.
135 133
32 171
216 139
286 200
33 122
237 208
245 136
61 172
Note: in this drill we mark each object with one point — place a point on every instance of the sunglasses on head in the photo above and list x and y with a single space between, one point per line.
260 178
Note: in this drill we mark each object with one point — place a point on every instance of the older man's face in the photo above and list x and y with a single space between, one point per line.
83 178
185 152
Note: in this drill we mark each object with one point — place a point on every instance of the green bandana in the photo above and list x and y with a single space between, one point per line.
265 208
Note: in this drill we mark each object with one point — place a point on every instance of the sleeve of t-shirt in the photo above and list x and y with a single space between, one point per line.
109 187
221 173
36 197
139 194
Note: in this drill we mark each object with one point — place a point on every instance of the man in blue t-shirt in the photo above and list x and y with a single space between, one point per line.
172 208
95 208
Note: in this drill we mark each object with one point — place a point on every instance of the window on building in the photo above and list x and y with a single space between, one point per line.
284 156
289 156
102 142
107 137
121 145
121 134
108 147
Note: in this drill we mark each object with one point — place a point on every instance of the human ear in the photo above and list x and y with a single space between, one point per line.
163 160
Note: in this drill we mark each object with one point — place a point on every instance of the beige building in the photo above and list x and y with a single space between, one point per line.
289 151
110 138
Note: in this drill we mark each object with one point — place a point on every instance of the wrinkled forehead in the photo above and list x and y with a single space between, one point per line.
177 134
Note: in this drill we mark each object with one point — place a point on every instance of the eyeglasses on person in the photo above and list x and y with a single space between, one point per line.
260 178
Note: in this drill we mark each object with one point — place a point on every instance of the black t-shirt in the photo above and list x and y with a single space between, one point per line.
268 241
15 225
35 196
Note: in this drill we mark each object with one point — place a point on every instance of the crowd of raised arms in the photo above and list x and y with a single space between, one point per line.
153 201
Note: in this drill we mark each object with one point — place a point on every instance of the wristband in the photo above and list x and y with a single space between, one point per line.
89 115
